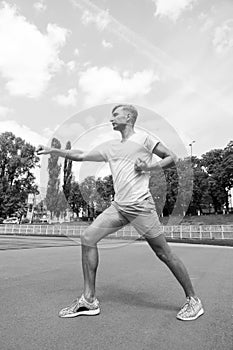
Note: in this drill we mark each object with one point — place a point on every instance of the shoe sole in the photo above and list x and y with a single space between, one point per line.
82 313
200 312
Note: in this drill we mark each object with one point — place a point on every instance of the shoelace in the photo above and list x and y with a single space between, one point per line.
78 302
72 306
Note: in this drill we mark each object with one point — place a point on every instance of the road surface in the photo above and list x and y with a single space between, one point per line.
139 297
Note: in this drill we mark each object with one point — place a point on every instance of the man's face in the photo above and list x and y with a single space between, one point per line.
119 119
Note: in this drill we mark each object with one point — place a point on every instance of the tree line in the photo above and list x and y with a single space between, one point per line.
204 190
17 161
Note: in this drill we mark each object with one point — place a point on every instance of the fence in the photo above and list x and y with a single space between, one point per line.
173 232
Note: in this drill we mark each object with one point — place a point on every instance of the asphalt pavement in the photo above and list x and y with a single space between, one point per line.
138 294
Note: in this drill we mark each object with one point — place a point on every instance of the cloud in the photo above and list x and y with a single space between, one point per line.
172 8
71 65
105 84
192 116
159 58
40 6
67 100
28 58
206 22
101 19
69 130
223 37
76 52
48 133
23 131
4 111
107 44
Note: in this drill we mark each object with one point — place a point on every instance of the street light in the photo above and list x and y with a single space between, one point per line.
191 147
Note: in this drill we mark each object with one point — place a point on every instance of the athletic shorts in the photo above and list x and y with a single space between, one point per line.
142 216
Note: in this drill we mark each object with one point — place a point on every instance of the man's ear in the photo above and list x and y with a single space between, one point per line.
128 117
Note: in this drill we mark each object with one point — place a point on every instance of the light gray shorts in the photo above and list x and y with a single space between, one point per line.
142 216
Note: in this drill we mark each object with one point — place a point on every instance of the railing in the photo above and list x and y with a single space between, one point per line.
173 232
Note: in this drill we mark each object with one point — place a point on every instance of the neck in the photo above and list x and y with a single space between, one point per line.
126 133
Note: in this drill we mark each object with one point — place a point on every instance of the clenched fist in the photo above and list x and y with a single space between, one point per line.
140 165
42 150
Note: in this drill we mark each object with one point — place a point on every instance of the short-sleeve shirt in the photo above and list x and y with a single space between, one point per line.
130 187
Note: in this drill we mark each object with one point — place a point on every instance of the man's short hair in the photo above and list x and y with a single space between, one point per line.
128 108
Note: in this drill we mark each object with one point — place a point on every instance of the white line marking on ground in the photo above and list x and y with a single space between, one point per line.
189 245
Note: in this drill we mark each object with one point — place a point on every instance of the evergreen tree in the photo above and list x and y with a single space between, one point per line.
67 174
61 204
52 194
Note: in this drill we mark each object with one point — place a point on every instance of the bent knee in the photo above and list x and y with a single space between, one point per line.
160 254
163 255
88 238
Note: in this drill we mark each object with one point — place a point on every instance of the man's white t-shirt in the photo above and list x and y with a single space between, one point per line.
130 187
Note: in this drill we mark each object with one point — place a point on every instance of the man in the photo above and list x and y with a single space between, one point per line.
131 161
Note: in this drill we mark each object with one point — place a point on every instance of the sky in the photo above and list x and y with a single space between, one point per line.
172 57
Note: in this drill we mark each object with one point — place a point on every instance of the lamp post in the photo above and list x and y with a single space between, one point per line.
191 147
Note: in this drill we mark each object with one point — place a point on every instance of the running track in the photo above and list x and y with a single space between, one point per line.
139 297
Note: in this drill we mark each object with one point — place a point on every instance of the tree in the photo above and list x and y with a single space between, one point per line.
213 162
184 183
17 161
109 188
158 189
172 181
105 193
67 174
76 201
61 204
52 194
171 189
89 194
201 198
92 195
228 166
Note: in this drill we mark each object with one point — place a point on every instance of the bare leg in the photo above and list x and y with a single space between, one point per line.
162 250
108 222
90 260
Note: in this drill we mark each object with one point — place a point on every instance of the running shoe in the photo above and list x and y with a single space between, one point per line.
191 310
80 307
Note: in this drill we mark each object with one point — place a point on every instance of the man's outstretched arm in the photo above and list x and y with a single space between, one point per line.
75 155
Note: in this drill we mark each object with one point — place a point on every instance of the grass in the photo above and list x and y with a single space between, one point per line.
212 219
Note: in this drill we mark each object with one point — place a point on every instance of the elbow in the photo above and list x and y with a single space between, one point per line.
77 156
174 159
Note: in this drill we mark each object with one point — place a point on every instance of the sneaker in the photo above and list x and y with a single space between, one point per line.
81 307
191 310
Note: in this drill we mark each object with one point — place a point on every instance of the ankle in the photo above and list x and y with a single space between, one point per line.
193 296
89 298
